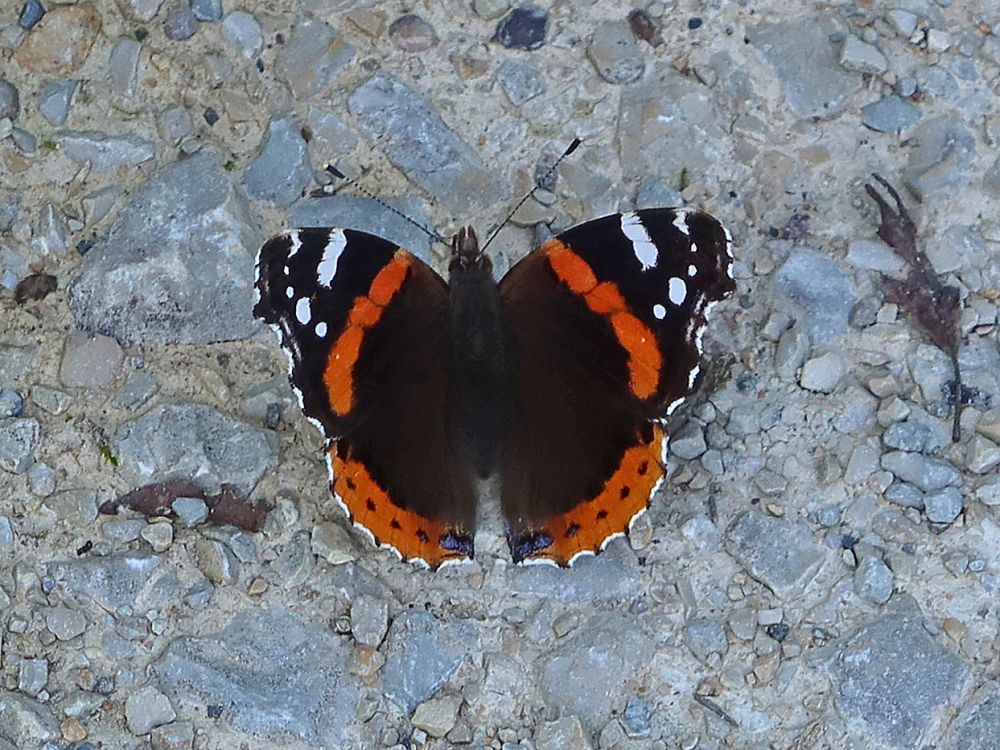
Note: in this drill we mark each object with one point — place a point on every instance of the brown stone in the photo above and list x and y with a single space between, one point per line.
61 41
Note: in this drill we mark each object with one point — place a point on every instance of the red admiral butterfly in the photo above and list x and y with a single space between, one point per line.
558 377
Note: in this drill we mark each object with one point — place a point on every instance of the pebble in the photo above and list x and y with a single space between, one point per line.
411 33
76 506
41 480
370 620
873 580
890 115
635 719
523 28
147 708
61 42
903 21
982 455
331 138
55 98
174 124
194 442
654 193
615 53
689 441
905 494
437 716
242 31
943 506
912 437
18 438
145 242
565 733
779 553
64 623
818 291
821 374
143 10
123 66
944 151
521 81
280 172
159 536
431 155
705 636
862 57
925 472
422 654
310 58
11 403
332 542
90 361
179 22
490 9
32 676
207 10
805 62
102 152
10 100
178 735
137 389
190 511
31 13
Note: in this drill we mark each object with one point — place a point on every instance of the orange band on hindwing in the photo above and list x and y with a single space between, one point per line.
605 299
365 313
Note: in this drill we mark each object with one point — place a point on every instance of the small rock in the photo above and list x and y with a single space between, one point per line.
653 193
62 41
147 708
11 403
242 31
65 624
31 13
174 123
523 28
943 506
76 506
520 81
615 53
705 636
159 536
178 735
907 436
207 10
689 441
191 511
217 561
873 580
862 57
889 115
332 138
821 374
280 171
124 67
32 676
905 494
861 465
137 389
90 361
938 41
10 100
566 733
6 532
779 553
180 23
41 480
982 455
18 438
819 291
333 543
437 716
490 9
369 620
635 718
903 21
411 33
923 471
944 151
310 57
104 153
54 100
142 10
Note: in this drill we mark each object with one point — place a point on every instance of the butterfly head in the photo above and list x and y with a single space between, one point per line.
465 252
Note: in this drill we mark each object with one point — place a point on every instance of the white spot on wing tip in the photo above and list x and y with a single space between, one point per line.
529 561
455 562
327 267
677 290
321 329
642 245
680 221
659 312
303 313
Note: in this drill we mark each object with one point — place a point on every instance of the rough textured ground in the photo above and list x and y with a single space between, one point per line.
822 571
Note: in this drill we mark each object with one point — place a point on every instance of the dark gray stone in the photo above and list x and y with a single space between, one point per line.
278 675
412 134
104 153
207 10
139 580
977 727
873 580
523 28
818 291
411 33
197 443
180 23
779 553
177 263
521 81
912 437
310 57
31 13
925 472
422 654
11 403
123 67
10 100
54 100
943 506
889 115
805 61
280 171
705 636
862 57
905 494
635 718
18 438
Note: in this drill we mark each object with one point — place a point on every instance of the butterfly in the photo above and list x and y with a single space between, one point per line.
557 379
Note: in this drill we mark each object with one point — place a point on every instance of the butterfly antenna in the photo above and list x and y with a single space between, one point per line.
341 176
538 183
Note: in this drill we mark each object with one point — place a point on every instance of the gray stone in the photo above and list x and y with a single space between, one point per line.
821 374
412 134
257 667
367 215
331 542
873 580
18 438
242 31
207 10
32 676
143 10
411 33
190 511
174 124
10 208
982 455
912 437
177 275
24 722
689 441
159 535
664 116
422 654
10 100
104 153
943 506
6 532
50 236
31 13
565 733
180 23
27 142
369 619
903 21
805 62
791 352
635 719
874 255
521 81
11 403
133 579
64 623
437 716
217 562
891 114
90 361
121 531
147 708
862 57
54 100
705 636
818 291
591 579
653 193
280 171
194 442
98 203
75 506
137 389
178 735
905 494
586 674
942 155
923 471
312 55
895 685
123 66
615 53
490 9
861 465
41 480
523 28
977 727
331 137
779 553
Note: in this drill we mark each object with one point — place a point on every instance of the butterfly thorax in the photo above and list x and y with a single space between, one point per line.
479 360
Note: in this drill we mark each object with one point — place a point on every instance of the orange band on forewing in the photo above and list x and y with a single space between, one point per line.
625 494
635 337
368 505
365 313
